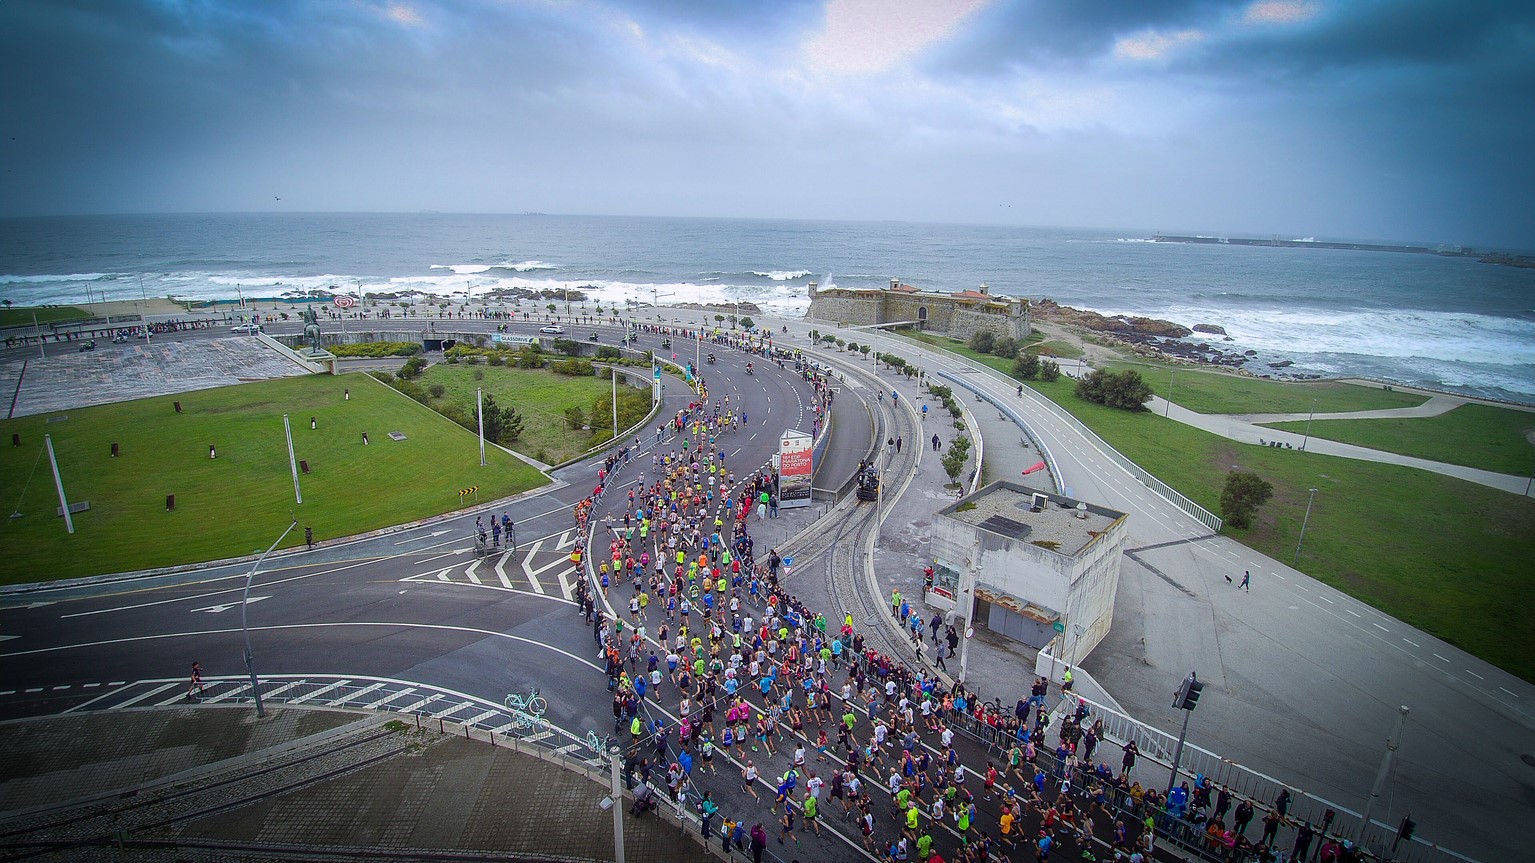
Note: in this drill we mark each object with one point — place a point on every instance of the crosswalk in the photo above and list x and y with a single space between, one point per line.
538 567
356 692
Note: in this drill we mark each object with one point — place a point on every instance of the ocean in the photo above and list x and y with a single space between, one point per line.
1446 323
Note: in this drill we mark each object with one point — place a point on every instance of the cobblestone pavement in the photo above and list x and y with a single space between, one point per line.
117 373
300 785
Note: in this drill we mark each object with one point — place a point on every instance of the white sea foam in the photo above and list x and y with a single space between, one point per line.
71 277
781 275
476 269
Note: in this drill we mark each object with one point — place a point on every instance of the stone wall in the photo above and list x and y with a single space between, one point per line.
969 321
955 317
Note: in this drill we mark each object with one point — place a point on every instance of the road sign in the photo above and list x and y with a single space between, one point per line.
1060 627
344 302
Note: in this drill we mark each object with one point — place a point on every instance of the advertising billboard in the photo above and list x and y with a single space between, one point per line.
794 469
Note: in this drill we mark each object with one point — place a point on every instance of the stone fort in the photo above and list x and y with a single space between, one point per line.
960 315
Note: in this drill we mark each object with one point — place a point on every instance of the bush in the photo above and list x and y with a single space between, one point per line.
413 367
747 323
530 357
1243 494
954 459
568 347
572 367
982 342
377 349
386 377
574 418
1004 348
437 390
1125 390
1026 367
497 359
608 352
479 374
1049 371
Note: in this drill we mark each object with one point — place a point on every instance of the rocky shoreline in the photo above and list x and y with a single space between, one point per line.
1163 341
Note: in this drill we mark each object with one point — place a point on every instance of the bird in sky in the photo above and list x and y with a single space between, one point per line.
275 198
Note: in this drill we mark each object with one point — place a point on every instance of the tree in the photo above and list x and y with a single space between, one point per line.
1026 367
574 418
850 346
1004 348
954 459
551 307
719 319
982 341
864 349
747 323
1049 371
815 335
502 424
413 367
1243 494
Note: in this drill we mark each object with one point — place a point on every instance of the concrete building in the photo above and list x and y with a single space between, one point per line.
1037 566
959 315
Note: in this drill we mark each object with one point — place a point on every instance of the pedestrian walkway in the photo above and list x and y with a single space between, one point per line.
220 784
119 373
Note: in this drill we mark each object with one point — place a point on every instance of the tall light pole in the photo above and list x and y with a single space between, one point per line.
1392 742
144 315
41 352
58 484
287 431
245 601
1307 438
479 401
1167 408
1303 521
613 373
618 806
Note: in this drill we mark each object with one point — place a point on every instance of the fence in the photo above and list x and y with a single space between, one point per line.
1160 488
1007 410
1156 746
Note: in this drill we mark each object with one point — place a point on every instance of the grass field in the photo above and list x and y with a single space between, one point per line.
1480 436
239 502
1213 392
1447 556
22 316
540 396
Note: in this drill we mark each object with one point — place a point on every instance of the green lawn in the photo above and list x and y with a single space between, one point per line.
1447 556
22 315
1215 392
540 396
1480 436
239 502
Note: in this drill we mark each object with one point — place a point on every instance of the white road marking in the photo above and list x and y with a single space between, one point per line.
1474 674
150 694
1379 627
1410 641
82 686
1353 612
239 690
225 606
336 702
57 688
1440 658
434 533
422 703
1514 694
501 570
321 691
401 694
472 571
1326 600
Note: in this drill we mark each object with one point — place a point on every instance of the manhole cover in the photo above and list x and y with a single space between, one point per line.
1527 758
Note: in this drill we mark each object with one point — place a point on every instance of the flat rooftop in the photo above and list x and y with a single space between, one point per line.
1007 509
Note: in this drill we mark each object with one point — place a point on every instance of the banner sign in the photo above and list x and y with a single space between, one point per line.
794 469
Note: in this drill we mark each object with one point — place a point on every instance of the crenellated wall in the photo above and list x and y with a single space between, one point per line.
957 316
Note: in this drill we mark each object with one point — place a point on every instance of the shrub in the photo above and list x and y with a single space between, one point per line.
572 367
413 367
608 352
386 377
1026 367
479 374
982 342
437 390
574 418
1243 494
377 349
954 459
497 359
1125 390
1049 371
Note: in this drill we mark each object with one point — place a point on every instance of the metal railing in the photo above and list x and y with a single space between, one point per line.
1146 478
1007 410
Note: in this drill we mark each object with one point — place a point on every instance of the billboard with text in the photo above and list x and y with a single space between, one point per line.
794 469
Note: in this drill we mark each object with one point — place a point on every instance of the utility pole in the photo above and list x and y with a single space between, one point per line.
1307 439
144 315
613 373
287 431
1168 406
1392 742
618 805
1303 523
58 483
245 601
43 354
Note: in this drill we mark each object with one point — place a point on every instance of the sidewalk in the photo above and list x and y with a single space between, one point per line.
400 793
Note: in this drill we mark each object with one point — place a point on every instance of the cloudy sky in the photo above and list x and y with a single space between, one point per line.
1390 119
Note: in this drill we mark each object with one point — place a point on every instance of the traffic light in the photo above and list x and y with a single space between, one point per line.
1187 695
1404 832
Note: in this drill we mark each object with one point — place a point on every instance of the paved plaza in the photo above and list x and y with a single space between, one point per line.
67 379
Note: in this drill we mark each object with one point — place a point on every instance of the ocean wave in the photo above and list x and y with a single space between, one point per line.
477 269
71 277
781 275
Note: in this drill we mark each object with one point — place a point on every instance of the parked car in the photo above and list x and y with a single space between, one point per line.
552 329
246 329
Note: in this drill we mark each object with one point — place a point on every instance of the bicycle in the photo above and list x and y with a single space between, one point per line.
532 704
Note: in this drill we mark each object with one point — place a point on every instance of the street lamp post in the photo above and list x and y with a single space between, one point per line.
245 601
618 805
1167 408
1307 438
1392 742
1309 499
